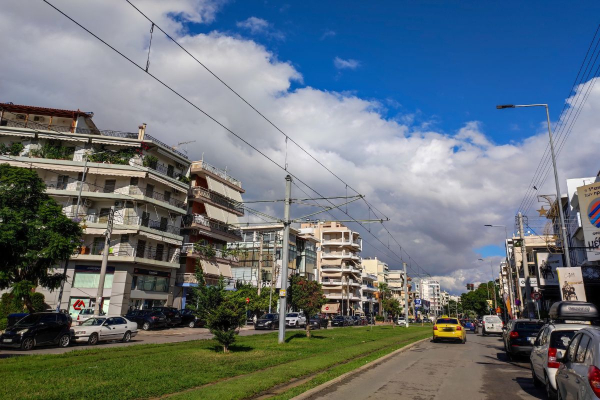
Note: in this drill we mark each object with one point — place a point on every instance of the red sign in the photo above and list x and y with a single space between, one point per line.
327 308
536 295
79 304
247 300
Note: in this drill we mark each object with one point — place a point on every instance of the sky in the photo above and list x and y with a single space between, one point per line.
396 98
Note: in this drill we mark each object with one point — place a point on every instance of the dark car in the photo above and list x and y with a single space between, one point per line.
318 322
172 314
12 319
147 319
267 321
189 319
339 320
38 329
517 338
356 320
350 320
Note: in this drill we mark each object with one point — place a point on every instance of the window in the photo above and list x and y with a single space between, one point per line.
561 339
145 219
150 283
149 191
109 185
97 246
134 181
62 182
583 344
573 347
119 321
90 280
141 249
164 222
48 318
159 252
167 196
170 170
104 213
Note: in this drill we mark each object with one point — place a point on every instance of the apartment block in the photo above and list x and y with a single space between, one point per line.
88 170
378 268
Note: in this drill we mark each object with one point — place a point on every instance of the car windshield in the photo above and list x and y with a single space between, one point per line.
532 327
561 339
94 322
29 320
292 314
339 317
492 319
268 316
447 321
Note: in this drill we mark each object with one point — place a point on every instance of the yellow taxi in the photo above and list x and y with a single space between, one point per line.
449 328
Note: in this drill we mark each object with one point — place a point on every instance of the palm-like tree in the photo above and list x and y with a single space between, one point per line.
383 290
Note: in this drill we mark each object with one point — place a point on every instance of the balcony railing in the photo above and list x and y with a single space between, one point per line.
188 248
217 198
161 226
338 254
217 171
186 278
155 194
156 253
166 146
202 219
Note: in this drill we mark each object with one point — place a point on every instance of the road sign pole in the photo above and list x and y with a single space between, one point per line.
106 250
285 258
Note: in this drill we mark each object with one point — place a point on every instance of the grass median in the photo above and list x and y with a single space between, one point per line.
195 370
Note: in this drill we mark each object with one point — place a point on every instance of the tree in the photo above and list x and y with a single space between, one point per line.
392 307
35 234
384 291
306 296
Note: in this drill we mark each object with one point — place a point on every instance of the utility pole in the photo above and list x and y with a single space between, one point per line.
273 271
347 295
260 263
494 283
525 299
405 295
285 258
100 294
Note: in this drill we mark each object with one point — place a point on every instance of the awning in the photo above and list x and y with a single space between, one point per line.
168 183
59 136
330 308
116 172
160 238
17 133
221 215
216 186
210 267
115 142
233 194
335 261
102 231
50 167
225 270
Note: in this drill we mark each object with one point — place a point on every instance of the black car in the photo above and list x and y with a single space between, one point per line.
38 329
517 338
172 314
12 319
147 319
339 320
356 320
317 322
267 321
189 319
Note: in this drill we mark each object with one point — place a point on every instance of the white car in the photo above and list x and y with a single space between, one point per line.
295 319
402 321
492 324
85 314
97 329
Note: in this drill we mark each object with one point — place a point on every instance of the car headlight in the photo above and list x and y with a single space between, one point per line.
23 331
80 333
268 322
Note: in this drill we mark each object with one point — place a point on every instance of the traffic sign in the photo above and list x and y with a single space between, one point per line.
247 300
282 293
536 295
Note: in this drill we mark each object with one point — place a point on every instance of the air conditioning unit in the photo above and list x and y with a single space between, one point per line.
87 203
38 119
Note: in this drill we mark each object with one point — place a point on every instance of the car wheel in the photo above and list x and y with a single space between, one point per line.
536 382
483 332
146 326
64 341
509 356
27 344
192 324
464 340
550 393
93 339
126 337
434 340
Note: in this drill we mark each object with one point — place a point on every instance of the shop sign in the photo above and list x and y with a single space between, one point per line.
140 271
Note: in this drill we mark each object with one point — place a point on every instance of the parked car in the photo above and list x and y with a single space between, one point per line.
147 319
189 319
364 320
492 324
85 314
349 320
318 322
38 329
13 318
356 320
553 340
339 320
97 329
295 320
578 376
172 314
401 321
517 339
267 321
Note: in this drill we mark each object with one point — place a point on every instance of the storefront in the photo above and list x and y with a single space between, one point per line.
149 288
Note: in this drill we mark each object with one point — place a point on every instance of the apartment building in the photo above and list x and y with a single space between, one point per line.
210 226
338 266
430 291
378 268
88 171
368 290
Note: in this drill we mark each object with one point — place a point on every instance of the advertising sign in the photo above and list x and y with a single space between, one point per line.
571 284
546 265
589 204
532 282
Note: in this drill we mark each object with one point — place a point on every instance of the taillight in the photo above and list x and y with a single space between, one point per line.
435 327
514 334
154 318
552 358
594 379
458 328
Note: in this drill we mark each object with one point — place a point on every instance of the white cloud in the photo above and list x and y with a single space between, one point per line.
340 63
259 26
327 34
438 188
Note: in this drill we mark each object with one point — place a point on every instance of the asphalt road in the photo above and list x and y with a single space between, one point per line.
478 369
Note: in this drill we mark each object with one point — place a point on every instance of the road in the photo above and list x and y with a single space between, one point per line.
478 369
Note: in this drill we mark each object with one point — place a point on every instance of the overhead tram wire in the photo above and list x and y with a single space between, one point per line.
194 105
562 122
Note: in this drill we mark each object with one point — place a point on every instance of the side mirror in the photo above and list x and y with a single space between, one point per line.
533 341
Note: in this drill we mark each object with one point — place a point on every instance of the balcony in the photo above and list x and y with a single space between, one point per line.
202 221
189 250
218 199
189 278
368 288
74 186
339 254
203 165
132 251
341 242
161 226
340 296
335 282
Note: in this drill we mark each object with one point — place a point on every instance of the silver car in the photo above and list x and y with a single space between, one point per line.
97 329
578 376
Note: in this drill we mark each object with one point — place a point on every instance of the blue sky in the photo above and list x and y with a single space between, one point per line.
446 62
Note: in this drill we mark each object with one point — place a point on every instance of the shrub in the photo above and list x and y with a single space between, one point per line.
379 318
38 302
54 151
150 161
184 179
120 157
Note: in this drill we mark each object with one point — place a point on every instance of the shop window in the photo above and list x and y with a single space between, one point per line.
150 283
87 280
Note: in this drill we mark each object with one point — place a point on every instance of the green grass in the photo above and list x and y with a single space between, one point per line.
194 370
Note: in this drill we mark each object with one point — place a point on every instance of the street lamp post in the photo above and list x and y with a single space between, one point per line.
563 227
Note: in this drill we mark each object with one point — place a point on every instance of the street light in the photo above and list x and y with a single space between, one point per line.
558 198
511 291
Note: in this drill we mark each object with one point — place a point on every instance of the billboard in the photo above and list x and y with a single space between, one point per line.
546 267
589 206
532 282
571 284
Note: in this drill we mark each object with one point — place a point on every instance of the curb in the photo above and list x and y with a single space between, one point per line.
323 386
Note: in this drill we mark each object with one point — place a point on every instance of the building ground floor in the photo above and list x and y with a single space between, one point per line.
126 286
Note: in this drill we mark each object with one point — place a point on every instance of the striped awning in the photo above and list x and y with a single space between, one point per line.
210 268
116 172
221 215
166 182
